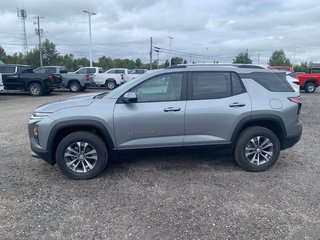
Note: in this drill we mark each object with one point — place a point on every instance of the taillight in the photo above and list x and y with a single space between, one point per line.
50 77
296 100
122 77
88 77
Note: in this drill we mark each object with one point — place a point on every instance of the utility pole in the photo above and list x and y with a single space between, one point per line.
39 32
294 56
157 50
259 59
150 53
90 43
170 51
22 14
206 55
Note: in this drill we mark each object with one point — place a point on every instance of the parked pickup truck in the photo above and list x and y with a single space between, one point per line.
310 81
135 73
76 82
22 77
111 78
93 71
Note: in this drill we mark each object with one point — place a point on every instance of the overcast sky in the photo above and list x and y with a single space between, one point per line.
200 28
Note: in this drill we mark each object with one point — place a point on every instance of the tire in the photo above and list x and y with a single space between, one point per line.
111 84
74 87
310 87
257 149
85 161
35 89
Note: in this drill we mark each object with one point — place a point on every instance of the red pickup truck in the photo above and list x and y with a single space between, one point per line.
310 81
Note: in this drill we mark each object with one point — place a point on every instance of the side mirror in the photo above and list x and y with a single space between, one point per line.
130 97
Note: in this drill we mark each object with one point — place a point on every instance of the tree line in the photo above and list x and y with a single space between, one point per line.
278 58
51 56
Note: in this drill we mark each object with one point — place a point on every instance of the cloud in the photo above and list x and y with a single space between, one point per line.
122 28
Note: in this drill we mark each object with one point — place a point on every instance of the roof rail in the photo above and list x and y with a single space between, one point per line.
215 65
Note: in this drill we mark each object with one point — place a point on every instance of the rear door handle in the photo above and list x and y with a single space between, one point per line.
172 109
237 104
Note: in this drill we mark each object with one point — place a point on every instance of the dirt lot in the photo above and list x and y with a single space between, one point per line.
176 196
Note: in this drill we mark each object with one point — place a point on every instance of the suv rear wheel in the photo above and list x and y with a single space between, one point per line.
257 149
82 155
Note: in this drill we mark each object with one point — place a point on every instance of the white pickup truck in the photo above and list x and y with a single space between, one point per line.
111 78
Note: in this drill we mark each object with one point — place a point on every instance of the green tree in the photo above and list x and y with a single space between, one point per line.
302 67
166 64
49 53
176 60
138 63
3 55
279 58
31 58
243 58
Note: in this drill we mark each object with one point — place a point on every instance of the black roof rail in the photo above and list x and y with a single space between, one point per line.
177 66
215 65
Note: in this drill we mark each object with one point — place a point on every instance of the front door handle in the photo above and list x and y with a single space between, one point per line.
172 109
237 104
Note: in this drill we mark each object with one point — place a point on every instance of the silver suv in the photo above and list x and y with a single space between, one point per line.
251 112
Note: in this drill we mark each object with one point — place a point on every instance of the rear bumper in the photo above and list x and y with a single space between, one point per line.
53 86
292 140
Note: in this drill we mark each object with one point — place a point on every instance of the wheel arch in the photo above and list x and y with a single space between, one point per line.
63 129
34 81
311 80
73 80
274 123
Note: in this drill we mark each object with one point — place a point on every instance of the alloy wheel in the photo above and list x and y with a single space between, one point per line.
259 150
80 157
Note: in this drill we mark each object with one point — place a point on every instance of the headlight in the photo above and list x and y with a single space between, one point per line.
39 115
36 132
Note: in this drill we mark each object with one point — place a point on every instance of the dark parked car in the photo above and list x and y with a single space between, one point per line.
22 77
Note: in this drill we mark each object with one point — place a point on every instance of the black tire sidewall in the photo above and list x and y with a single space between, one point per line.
39 86
76 84
92 139
306 87
245 137
114 84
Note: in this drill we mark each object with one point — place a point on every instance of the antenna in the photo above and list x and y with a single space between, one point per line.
22 14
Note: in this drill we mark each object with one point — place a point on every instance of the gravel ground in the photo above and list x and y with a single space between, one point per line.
175 196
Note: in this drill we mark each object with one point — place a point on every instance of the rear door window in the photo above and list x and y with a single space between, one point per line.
92 70
82 71
51 70
210 85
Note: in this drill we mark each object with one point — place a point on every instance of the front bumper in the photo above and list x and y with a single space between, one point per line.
37 150
45 156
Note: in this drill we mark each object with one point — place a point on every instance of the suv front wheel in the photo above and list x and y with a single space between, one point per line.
82 155
257 149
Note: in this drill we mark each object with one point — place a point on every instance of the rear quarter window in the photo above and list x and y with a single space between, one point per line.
7 69
269 81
